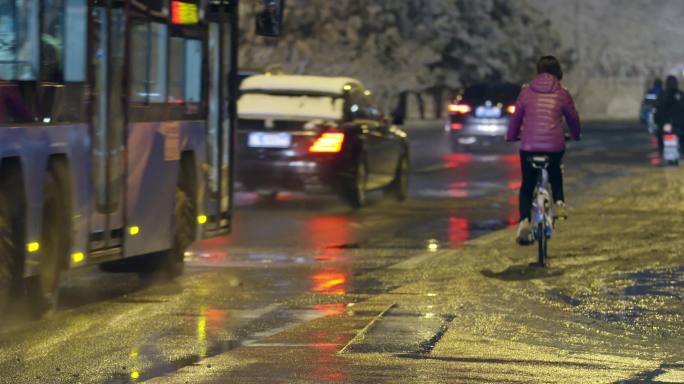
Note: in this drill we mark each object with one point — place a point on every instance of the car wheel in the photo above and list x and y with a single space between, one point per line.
398 189
356 194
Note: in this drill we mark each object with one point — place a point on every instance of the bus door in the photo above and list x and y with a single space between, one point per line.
221 118
107 39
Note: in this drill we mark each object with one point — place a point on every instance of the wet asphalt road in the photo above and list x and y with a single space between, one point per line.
289 261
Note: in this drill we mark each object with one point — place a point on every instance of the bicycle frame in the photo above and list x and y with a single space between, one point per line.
542 218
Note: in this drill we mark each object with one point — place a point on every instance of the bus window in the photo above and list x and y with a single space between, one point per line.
138 57
148 52
52 41
18 39
176 79
75 38
193 71
185 77
157 63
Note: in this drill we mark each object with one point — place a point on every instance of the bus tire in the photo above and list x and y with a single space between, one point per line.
55 240
11 237
169 264
7 254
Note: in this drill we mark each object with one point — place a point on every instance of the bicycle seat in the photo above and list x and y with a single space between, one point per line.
540 161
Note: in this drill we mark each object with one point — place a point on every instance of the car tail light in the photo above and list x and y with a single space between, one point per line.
461 109
328 142
511 109
456 126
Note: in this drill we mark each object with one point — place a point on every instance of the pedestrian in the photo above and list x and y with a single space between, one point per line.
669 110
656 89
648 105
399 112
538 123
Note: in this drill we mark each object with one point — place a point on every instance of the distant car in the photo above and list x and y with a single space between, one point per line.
479 117
313 134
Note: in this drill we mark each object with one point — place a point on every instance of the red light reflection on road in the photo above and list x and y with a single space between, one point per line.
457 160
512 164
329 280
330 309
216 319
326 232
213 250
514 185
513 214
327 366
459 231
458 189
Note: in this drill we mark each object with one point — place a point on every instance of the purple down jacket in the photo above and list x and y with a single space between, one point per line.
538 117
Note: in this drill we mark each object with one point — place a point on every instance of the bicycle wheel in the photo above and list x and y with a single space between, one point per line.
542 241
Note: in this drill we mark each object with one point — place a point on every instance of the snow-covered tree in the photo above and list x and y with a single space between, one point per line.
419 46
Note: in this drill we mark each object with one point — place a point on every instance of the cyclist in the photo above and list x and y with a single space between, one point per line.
538 123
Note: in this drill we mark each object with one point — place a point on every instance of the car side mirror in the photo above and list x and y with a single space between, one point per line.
269 20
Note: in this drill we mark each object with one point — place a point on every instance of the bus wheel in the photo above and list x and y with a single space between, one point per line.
43 289
170 263
185 216
8 255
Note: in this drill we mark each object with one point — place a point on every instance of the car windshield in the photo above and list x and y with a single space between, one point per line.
480 93
289 107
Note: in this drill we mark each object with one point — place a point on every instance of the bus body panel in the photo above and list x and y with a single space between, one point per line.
33 146
153 166
66 115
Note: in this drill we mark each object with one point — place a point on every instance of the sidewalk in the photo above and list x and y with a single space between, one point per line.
608 309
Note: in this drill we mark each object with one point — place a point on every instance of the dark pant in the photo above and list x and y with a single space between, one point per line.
661 144
529 180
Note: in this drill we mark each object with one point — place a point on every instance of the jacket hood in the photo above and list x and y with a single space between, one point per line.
545 83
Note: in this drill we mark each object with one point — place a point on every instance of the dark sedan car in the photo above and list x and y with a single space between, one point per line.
312 134
479 117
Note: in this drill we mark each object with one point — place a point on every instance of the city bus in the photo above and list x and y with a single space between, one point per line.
116 135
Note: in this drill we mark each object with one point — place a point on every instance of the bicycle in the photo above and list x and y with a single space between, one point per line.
542 216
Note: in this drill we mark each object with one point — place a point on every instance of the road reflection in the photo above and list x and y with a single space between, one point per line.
470 182
330 281
458 160
458 231
512 167
327 366
327 233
